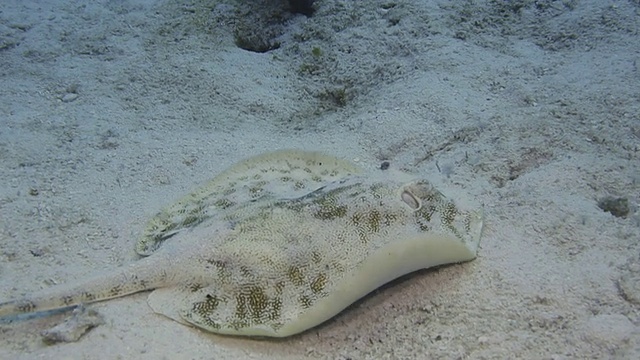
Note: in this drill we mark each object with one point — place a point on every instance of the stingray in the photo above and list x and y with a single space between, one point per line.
280 243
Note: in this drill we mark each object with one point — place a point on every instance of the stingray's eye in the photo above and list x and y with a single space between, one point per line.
410 200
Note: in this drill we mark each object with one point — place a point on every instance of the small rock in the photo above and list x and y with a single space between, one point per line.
618 207
74 327
69 97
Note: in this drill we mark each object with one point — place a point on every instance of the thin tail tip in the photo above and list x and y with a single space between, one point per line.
16 307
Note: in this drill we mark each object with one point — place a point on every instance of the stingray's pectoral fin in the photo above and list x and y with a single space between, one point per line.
168 301
205 311
189 305
210 309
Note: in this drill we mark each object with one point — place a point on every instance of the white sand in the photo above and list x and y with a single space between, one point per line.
111 110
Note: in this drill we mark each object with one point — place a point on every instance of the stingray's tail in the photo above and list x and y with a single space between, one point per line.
146 274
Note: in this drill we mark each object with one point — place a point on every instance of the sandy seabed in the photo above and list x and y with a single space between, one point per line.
111 110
